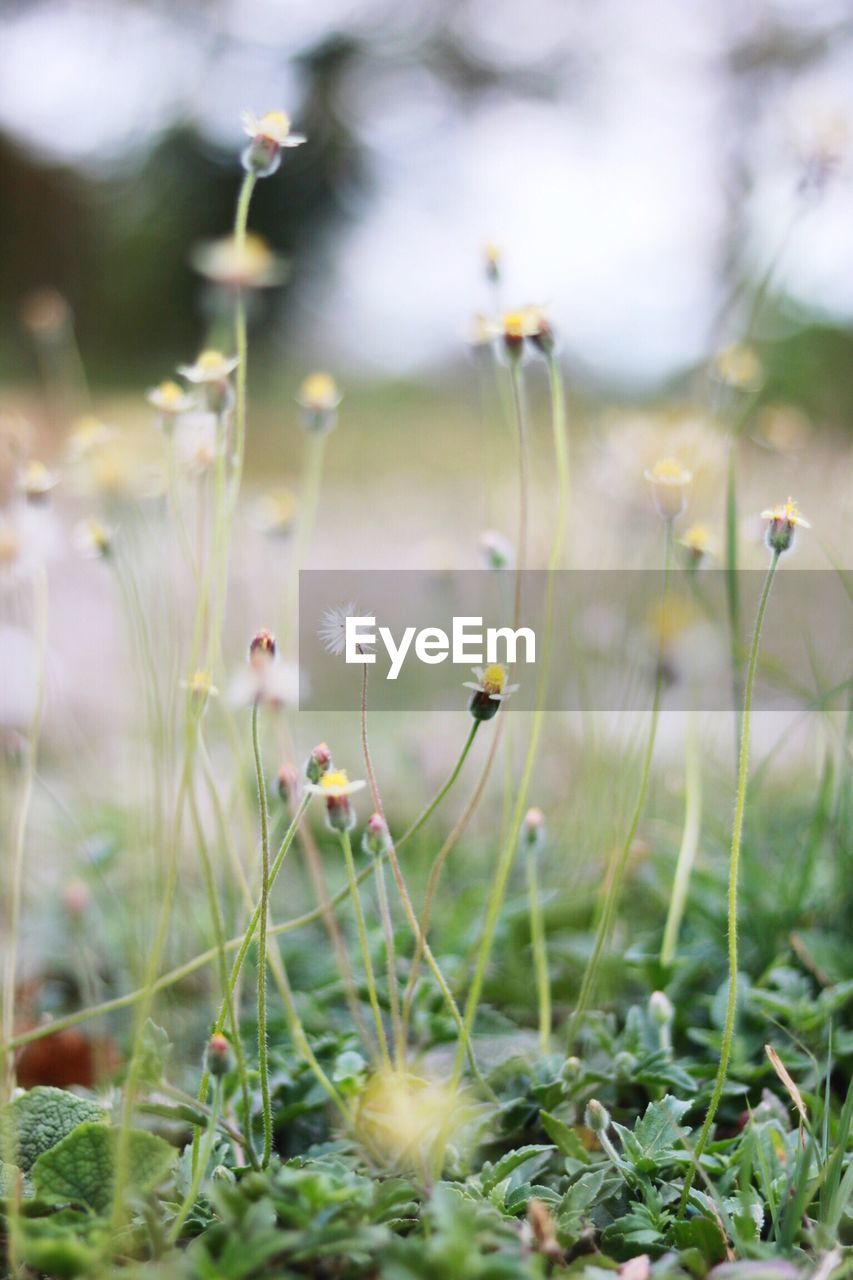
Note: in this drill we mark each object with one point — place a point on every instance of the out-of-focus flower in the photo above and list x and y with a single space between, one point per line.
405 1119
211 367
218 1056
784 520
91 539
490 690
496 551
739 366
289 784
45 314
274 512
200 687
36 482
224 262
269 133
669 481
263 678
492 261
319 397
526 324
784 428
76 898
197 441
532 834
696 543
170 399
821 133
540 1230
88 435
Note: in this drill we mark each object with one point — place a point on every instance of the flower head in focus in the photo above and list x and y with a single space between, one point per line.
490 690
783 522
268 134
336 788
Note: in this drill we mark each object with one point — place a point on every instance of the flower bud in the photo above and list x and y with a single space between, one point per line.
624 1065
268 134
495 550
533 830
288 783
262 648
376 839
572 1070
783 523
596 1117
661 1011
318 763
223 1174
340 815
218 1057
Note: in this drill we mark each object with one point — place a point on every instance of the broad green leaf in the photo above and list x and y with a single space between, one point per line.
39 1119
564 1138
656 1134
492 1175
81 1168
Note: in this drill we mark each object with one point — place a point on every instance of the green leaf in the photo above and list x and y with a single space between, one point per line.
655 1138
492 1175
154 1053
39 1119
564 1138
81 1169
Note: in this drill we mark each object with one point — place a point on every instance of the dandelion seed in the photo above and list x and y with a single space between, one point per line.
333 628
319 398
211 366
490 690
784 520
234 265
335 788
269 133
669 481
92 540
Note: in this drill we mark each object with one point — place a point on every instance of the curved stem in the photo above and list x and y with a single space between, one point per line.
241 219
689 844
517 380
263 1062
734 861
540 955
614 882
364 945
199 1167
430 809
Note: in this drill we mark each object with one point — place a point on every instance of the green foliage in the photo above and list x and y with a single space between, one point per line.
80 1170
39 1119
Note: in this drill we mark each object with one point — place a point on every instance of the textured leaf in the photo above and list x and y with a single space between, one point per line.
39 1119
494 1174
565 1139
81 1169
656 1134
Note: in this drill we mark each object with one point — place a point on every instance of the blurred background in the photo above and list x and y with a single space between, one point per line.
634 161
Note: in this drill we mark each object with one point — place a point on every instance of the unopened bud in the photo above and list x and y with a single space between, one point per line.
223 1174
533 829
596 1116
76 898
318 763
262 648
219 1057
288 783
572 1070
661 1011
376 839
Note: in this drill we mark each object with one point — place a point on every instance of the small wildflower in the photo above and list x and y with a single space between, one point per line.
88 435
200 687
738 366
696 543
218 1056
263 679
335 788
527 324
596 1117
572 1070
250 266
318 763
669 481
262 648
36 481
92 540
332 630
532 834
269 133
784 520
169 399
274 512
495 550
211 366
319 398
492 261
198 441
490 690
406 1118
288 784
376 839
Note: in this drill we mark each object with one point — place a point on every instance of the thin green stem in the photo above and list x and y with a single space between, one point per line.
689 843
734 861
364 946
614 881
517 381
200 1165
391 965
241 219
263 1062
540 954
430 809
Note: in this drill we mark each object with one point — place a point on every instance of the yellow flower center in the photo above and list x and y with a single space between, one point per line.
319 391
275 125
494 679
516 324
170 393
210 360
669 470
200 682
333 779
697 537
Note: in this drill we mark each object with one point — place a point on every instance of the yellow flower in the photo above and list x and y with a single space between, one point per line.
490 690
740 367
404 1118
211 366
697 543
334 784
200 686
252 266
87 435
273 126
319 393
784 520
92 539
787 511
36 481
170 398
669 481
275 511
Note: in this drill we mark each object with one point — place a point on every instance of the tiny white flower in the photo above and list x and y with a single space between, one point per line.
332 630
